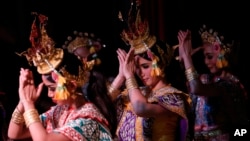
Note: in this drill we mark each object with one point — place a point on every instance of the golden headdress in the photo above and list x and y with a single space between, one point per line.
42 49
81 40
47 58
212 36
137 35
86 40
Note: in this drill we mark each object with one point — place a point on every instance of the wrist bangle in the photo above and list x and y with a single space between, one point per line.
131 83
191 74
112 90
31 116
17 117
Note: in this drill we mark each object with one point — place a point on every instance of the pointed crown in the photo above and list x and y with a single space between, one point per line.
42 50
137 34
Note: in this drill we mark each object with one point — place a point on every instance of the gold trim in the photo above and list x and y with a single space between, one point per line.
54 60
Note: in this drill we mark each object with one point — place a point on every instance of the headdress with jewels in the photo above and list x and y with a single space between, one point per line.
213 37
43 55
138 36
85 40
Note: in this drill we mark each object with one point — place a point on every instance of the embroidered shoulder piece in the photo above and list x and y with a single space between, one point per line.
172 99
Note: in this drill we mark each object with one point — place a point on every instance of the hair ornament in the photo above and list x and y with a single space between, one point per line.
156 71
81 79
61 92
63 78
86 40
223 49
212 36
80 40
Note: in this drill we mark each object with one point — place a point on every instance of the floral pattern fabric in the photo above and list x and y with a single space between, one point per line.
83 124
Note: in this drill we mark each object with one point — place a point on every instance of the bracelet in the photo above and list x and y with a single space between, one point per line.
191 74
17 117
112 90
31 116
131 83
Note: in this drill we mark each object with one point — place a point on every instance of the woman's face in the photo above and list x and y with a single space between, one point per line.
211 53
143 70
51 90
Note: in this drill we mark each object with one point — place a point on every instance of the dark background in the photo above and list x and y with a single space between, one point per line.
100 17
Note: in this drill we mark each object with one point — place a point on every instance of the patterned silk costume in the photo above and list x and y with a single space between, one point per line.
84 124
134 128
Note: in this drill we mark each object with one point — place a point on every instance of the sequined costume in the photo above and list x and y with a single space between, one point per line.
217 116
134 128
84 124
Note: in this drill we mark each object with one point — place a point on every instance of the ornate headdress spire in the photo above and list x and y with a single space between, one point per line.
137 33
42 49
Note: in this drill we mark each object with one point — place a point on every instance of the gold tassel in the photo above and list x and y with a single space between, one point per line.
219 63
156 71
92 50
97 61
224 62
221 60
61 92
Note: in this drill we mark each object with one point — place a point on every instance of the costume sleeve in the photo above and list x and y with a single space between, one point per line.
173 103
46 117
173 100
